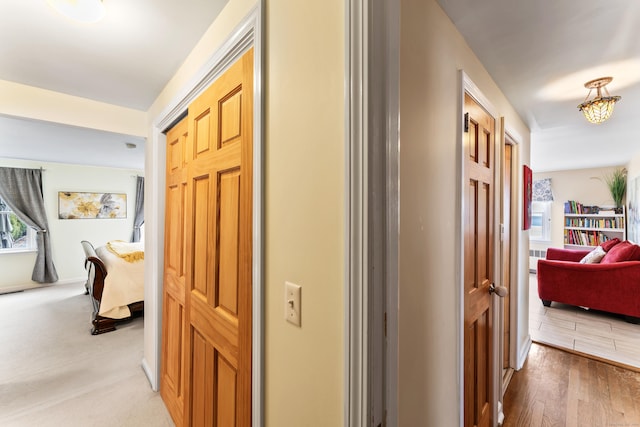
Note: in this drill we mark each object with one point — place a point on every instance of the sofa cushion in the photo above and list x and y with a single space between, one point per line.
594 256
623 251
609 244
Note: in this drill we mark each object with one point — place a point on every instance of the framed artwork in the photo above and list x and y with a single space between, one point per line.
74 205
527 193
633 210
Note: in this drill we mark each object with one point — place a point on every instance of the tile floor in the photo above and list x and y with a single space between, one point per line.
603 335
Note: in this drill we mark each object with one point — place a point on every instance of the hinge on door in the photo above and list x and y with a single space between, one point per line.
466 122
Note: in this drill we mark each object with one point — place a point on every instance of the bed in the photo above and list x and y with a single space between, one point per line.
115 282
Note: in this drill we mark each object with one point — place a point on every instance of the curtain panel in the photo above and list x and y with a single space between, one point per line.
138 218
21 189
542 190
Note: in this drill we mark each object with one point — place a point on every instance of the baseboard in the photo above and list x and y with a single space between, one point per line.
78 280
20 288
147 373
33 285
524 352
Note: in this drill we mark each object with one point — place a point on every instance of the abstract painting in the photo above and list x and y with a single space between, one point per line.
527 195
74 205
633 211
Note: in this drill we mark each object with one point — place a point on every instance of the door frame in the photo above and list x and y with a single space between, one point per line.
506 138
371 226
466 85
247 34
512 138
520 342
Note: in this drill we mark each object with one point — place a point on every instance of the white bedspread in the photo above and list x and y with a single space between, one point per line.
124 283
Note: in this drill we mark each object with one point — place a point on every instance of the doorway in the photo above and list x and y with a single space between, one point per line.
247 35
507 209
478 192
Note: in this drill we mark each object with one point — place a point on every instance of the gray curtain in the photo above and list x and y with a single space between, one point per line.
138 218
21 189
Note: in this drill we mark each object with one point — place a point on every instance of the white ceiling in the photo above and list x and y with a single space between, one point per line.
125 59
52 142
541 52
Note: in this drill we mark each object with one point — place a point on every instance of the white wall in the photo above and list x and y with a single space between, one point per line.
633 168
432 52
582 185
66 234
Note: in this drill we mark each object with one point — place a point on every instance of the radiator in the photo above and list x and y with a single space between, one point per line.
534 256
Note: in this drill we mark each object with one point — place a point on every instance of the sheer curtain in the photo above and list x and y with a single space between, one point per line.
138 218
21 189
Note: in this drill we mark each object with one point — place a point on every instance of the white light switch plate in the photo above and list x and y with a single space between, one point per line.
292 303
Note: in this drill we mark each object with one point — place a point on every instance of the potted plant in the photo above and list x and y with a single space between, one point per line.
617 183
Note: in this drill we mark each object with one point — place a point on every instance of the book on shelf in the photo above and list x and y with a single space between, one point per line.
573 207
584 238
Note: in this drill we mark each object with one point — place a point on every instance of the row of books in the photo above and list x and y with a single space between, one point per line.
595 222
573 207
588 238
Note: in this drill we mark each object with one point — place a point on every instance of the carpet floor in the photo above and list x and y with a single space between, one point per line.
55 373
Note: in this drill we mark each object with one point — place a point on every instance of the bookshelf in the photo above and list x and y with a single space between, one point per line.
586 227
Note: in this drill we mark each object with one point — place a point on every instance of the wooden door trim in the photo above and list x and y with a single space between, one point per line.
467 86
248 34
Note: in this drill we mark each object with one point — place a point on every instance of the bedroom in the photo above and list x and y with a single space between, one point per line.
77 160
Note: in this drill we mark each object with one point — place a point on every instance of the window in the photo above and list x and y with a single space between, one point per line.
540 221
15 235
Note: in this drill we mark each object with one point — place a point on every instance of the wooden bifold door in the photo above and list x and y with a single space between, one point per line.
206 328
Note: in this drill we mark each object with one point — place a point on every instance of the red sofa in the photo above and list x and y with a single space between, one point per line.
613 285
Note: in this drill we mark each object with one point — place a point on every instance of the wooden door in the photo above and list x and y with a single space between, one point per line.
219 251
478 264
175 271
506 252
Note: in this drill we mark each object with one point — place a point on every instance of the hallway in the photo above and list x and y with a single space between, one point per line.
557 388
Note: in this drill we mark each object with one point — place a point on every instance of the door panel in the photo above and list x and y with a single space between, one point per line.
478 264
219 212
172 363
206 378
229 201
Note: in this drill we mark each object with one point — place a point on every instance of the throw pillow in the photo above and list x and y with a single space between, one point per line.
623 251
594 256
609 244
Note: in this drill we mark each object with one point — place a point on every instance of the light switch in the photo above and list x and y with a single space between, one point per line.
292 303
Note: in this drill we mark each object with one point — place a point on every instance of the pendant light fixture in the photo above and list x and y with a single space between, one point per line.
600 108
88 11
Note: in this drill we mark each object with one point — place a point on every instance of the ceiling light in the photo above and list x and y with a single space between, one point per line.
80 10
599 108
130 145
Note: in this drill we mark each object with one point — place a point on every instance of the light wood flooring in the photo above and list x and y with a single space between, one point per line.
558 388
595 334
